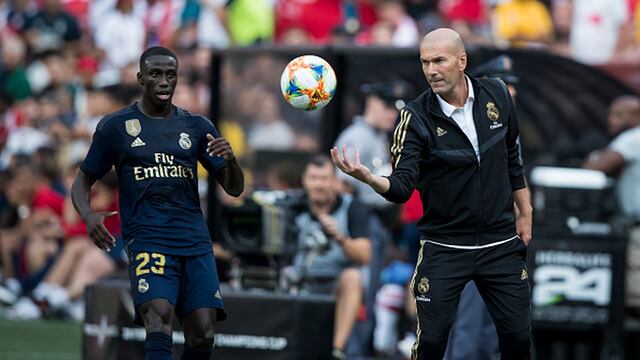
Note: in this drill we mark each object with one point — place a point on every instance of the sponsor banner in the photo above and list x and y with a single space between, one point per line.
259 326
576 283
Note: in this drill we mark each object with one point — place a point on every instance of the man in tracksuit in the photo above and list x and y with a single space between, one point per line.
457 143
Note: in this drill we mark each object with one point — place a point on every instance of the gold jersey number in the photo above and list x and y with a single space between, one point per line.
144 258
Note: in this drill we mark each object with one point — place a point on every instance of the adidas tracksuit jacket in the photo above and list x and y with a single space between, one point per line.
468 227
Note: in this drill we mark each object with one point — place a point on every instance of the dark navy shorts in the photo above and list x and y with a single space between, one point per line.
187 282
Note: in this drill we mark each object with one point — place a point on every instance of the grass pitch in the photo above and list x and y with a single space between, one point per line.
40 340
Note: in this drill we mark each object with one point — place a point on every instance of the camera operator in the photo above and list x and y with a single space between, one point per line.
332 246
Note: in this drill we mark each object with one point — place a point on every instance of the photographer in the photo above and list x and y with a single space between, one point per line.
332 246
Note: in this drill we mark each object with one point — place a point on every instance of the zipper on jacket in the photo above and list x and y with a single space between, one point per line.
479 174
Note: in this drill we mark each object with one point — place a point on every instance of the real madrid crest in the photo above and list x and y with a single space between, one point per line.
184 141
492 112
143 286
423 285
133 127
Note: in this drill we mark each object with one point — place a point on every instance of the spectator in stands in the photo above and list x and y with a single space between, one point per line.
333 246
561 14
161 20
316 18
80 263
26 191
405 30
17 13
622 159
39 240
120 36
51 28
283 175
522 23
14 83
368 134
250 21
212 31
468 18
270 131
596 29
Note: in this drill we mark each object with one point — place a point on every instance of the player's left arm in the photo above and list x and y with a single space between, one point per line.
521 194
230 177
524 214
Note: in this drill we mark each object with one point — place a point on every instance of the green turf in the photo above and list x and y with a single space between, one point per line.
40 340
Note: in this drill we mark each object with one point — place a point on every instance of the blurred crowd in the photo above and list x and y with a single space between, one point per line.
66 63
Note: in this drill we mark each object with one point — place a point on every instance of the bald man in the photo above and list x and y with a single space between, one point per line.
457 143
624 114
623 153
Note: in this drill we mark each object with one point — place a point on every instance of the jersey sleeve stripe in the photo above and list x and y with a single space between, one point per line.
397 130
399 135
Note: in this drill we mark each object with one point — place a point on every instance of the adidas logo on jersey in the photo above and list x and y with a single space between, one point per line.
138 142
440 131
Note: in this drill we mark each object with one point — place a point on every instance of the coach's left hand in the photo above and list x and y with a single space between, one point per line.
219 147
523 227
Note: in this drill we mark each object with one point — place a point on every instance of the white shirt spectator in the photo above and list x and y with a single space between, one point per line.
121 36
271 136
405 33
22 140
98 9
596 28
627 144
211 31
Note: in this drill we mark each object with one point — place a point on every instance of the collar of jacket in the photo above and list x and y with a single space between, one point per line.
434 106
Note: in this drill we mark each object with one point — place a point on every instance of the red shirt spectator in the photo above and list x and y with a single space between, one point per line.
317 17
45 197
466 10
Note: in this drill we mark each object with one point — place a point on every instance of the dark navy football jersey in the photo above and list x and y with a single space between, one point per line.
156 161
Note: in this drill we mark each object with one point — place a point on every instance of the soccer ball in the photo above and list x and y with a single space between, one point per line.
308 82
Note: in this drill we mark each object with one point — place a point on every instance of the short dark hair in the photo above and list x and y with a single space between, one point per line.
319 161
156 50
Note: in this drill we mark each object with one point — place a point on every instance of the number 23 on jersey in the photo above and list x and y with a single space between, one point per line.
156 266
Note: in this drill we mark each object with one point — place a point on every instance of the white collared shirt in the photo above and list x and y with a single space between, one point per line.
463 116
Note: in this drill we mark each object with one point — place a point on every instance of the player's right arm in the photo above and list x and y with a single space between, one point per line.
80 196
99 161
406 151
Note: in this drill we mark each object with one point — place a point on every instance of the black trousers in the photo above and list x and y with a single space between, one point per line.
501 276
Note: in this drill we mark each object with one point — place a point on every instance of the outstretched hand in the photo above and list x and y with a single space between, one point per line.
98 232
219 147
355 168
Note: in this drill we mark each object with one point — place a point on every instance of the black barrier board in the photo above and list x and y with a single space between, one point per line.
260 326
576 284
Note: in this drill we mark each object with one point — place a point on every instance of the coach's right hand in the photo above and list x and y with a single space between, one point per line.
354 169
97 232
